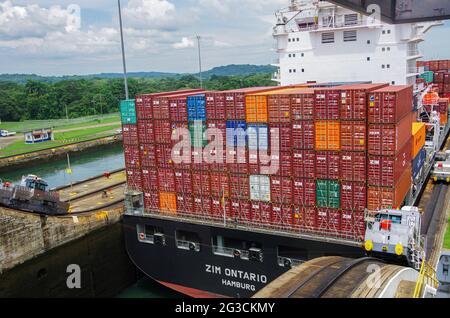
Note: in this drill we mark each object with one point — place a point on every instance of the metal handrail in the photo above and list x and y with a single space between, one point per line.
427 277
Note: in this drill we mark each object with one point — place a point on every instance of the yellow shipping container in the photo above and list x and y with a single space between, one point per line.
328 135
168 202
418 133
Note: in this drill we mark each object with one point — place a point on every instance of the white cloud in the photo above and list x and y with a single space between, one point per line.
149 13
233 6
184 43
34 21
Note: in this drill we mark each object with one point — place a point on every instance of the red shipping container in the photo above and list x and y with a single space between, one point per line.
201 183
240 186
443 105
279 108
144 103
303 135
148 155
282 215
220 186
216 160
254 164
185 204
327 165
151 201
353 166
302 104
353 195
354 100
304 192
202 206
215 106
353 225
281 189
161 108
166 180
178 108
284 133
438 77
310 217
443 65
386 171
262 213
304 163
280 165
130 135
134 179
327 103
163 131
434 66
218 210
389 198
164 156
198 162
215 128
183 181
390 104
241 211
237 160
150 180
329 220
132 160
145 131
388 140
447 78
353 136
144 108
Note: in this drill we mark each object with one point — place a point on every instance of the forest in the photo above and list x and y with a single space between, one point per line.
39 100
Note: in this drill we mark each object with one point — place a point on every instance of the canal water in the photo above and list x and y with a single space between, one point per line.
84 165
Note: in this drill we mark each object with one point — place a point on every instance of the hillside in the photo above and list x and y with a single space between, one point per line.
229 70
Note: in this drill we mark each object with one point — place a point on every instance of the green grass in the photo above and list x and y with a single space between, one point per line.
61 139
447 236
59 123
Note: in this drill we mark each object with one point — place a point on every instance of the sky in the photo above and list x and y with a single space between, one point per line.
66 37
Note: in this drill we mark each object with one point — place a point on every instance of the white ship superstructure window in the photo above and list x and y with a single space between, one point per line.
350 36
328 37
351 19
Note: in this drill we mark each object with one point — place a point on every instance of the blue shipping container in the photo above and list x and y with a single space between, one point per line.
196 107
258 137
418 162
234 137
128 111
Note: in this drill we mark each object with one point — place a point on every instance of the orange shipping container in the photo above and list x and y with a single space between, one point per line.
168 202
418 133
444 119
389 198
328 135
256 109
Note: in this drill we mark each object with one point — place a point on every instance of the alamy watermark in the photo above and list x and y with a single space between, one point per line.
198 145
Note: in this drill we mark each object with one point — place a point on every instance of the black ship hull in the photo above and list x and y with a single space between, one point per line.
203 273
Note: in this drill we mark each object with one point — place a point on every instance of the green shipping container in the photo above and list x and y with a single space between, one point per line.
197 130
427 76
328 194
128 112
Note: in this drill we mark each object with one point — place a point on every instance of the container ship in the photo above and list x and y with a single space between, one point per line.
228 190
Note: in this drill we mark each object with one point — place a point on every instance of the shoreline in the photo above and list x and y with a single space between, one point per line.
51 153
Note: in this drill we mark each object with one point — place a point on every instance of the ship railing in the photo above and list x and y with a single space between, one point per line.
186 245
282 261
412 70
230 252
327 231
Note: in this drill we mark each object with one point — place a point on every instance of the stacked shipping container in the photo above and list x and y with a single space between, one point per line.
326 160
390 146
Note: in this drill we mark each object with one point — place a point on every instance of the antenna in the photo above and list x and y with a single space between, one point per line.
123 53
200 60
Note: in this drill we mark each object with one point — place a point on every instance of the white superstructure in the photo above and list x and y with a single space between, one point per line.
319 41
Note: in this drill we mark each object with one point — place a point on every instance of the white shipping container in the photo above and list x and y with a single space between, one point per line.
260 188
